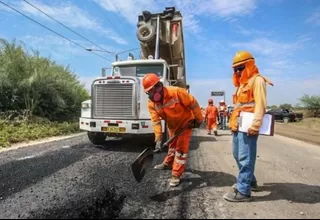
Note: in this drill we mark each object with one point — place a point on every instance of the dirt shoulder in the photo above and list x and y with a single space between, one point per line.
307 130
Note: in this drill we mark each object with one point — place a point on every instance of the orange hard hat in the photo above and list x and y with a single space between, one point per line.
241 57
149 81
210 101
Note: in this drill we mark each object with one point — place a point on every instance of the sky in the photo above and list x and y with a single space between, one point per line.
282 35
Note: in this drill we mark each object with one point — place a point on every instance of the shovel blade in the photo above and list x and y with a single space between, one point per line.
142 163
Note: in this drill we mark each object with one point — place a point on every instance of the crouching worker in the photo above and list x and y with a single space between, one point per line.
211 117
177 108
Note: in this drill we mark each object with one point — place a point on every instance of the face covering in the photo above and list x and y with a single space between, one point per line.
156 93
244 72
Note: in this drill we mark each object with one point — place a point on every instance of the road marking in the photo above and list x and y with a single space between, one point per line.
38 142
27 157
64 147
31 156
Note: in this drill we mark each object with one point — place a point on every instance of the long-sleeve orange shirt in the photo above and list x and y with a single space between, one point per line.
178 108
212 112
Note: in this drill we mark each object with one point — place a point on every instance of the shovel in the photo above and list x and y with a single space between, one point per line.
144 160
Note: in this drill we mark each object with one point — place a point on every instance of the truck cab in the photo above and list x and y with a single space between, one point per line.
119 105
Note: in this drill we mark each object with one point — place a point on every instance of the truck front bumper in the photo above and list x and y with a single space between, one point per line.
117 126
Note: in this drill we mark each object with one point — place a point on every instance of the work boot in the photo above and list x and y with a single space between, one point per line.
236 197
216 133
254 187
162 166
175 181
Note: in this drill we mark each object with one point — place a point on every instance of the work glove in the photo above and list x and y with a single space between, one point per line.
158 146
197 124
252 132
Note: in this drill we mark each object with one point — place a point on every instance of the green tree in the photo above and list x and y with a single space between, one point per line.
272 107
312 103
38 85
285 106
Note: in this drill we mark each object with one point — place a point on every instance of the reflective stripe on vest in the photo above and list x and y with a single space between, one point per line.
157 107
156 123
243 105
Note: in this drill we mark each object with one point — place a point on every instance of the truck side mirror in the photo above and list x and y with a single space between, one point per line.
180 72
103 72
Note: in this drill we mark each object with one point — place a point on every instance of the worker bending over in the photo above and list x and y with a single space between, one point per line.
177 108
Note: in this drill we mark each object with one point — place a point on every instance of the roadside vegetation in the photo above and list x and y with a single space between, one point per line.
38 97
308 129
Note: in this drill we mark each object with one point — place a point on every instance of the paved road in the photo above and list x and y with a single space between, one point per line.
74 179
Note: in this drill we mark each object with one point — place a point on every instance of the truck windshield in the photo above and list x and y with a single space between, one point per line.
138 70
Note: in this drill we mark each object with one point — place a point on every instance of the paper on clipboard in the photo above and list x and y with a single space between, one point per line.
267 127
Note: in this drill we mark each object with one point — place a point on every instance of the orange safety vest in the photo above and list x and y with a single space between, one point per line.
211 112
178 108
243 100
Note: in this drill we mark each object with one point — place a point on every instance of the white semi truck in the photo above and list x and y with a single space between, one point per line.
118 105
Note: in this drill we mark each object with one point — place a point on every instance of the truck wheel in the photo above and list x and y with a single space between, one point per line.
146 33
286 119
97 138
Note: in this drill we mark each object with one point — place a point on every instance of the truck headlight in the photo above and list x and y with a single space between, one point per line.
85 105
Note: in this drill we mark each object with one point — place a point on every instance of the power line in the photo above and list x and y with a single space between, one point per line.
68 28
114 5
60 35
107 17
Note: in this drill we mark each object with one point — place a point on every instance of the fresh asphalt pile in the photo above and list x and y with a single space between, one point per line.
74 179
105 204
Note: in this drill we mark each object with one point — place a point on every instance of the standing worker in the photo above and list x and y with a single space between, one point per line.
222 114
211 116
177 107
250 96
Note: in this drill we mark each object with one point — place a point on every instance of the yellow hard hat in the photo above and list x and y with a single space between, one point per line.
241 57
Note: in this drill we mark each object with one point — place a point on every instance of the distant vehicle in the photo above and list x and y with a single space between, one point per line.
285 115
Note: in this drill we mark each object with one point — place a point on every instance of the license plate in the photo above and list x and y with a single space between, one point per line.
114 129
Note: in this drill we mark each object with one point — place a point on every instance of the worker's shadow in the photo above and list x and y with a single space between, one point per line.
293 192
197 139
193 179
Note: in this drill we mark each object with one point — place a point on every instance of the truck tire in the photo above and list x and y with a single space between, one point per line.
97 138
286 119
146 33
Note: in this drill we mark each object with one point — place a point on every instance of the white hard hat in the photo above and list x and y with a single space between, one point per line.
222 101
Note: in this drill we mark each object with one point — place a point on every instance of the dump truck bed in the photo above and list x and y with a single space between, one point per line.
171 43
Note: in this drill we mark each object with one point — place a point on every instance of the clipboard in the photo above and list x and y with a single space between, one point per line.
267 127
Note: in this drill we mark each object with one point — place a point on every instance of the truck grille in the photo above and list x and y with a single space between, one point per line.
114 101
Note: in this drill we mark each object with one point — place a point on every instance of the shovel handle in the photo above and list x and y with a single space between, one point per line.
173 137
177 134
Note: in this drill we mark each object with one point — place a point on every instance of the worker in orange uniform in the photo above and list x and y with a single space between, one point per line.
250 96
211 116
222 114
177 107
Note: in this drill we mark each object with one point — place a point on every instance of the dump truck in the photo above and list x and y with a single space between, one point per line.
118 104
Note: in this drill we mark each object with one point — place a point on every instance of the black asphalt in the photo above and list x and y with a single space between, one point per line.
74 179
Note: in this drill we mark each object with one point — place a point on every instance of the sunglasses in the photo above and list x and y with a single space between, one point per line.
155 89
239 68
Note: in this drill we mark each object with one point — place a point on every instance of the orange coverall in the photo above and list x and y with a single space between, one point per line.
177 109
212 114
